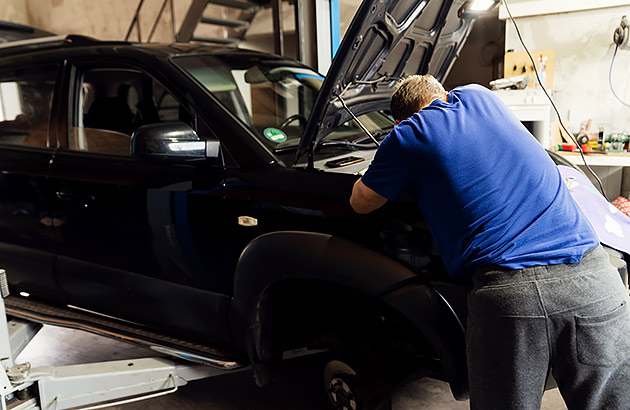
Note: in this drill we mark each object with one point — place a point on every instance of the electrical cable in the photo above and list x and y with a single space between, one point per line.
518 33
610 78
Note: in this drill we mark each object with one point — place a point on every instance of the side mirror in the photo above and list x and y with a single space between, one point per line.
171 141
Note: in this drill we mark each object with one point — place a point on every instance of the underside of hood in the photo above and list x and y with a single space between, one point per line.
386 41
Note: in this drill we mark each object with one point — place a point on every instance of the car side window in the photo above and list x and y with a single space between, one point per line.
25 105
112 103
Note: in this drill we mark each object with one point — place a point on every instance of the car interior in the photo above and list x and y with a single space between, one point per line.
113 103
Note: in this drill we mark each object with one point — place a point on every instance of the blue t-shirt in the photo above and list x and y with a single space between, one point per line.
489 192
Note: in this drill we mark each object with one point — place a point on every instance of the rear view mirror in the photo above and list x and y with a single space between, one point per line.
171 141
255 76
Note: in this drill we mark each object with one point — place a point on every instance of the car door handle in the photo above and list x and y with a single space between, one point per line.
66 196
73 196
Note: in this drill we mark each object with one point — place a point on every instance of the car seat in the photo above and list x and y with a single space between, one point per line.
110 113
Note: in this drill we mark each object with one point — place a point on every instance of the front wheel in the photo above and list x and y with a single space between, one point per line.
349 390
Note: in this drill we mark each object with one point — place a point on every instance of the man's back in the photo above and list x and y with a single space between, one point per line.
489 192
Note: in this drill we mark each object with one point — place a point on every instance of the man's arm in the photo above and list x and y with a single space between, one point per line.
364 200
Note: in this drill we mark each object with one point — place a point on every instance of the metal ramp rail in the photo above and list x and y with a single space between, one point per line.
89 386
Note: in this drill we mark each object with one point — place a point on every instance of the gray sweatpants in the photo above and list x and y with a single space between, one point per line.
573 318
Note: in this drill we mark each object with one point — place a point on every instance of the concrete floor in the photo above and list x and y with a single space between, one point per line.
299 385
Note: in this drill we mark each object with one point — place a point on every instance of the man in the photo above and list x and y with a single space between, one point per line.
544 293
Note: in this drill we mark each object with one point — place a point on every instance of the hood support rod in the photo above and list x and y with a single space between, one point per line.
363 127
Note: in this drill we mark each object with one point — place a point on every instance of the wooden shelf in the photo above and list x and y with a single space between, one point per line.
613 159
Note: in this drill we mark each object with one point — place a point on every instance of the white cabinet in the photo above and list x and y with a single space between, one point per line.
533 109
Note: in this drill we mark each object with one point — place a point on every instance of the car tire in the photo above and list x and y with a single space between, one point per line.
349 390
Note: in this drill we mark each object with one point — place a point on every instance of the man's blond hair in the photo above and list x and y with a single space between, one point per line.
413 93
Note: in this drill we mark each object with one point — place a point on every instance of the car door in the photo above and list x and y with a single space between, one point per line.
125 245
27 93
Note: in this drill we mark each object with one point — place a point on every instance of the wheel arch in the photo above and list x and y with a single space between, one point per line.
278 256
277 261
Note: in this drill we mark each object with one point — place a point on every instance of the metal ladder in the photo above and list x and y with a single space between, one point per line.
239 15
227 25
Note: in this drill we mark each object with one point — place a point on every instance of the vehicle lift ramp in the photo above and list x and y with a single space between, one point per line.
88 386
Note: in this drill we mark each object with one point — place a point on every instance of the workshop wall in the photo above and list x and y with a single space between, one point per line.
14 11
583 46
481 59
105 20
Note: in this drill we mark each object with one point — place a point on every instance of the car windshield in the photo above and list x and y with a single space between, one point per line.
273 97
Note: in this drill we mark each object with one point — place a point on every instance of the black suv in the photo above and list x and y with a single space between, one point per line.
195 199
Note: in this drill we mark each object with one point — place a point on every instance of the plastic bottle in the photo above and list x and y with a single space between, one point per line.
542 73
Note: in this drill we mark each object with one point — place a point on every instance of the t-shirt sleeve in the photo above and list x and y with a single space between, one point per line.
387 174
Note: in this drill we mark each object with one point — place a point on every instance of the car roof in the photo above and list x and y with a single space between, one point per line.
51 43
13 32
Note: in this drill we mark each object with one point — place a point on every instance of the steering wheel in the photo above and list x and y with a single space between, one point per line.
292 118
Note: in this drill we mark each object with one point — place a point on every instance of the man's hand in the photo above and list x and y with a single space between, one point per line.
364 200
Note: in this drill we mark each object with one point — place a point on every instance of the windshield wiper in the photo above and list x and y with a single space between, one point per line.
348 144
377 134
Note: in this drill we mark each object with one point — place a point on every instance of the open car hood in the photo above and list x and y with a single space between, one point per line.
387 40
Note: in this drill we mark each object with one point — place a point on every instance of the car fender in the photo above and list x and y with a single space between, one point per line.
279 256
432 309
285 255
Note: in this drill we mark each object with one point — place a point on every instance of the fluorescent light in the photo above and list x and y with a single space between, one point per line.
482 5
475 8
